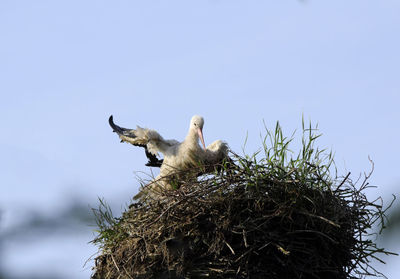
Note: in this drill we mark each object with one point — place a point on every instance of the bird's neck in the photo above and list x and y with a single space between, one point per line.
192 137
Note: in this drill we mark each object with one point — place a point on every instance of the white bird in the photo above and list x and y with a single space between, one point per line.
179 157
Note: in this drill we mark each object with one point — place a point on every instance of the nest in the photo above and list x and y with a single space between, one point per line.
273 217
244 223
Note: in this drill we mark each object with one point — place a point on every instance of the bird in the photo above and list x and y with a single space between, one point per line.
180 158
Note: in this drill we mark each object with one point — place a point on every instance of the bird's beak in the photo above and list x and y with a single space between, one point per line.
201 137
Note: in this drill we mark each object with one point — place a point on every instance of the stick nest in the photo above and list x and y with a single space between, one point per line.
254 219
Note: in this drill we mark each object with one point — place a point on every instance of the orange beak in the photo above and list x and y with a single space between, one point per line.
200 132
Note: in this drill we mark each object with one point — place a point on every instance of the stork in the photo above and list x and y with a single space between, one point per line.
179 157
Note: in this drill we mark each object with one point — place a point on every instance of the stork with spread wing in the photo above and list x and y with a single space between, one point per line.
178 156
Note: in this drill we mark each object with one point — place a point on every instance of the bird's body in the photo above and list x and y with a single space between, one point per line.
179 157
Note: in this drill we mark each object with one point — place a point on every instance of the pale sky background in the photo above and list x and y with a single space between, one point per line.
65 66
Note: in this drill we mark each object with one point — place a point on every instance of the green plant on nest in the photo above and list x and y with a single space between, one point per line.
274 214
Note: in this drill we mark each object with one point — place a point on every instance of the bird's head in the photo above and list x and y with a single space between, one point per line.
197 124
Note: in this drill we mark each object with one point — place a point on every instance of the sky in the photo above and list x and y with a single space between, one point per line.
66 66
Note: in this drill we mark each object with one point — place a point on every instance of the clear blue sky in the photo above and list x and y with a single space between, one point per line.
65 66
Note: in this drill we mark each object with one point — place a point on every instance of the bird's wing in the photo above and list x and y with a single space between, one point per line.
172 142
140 137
